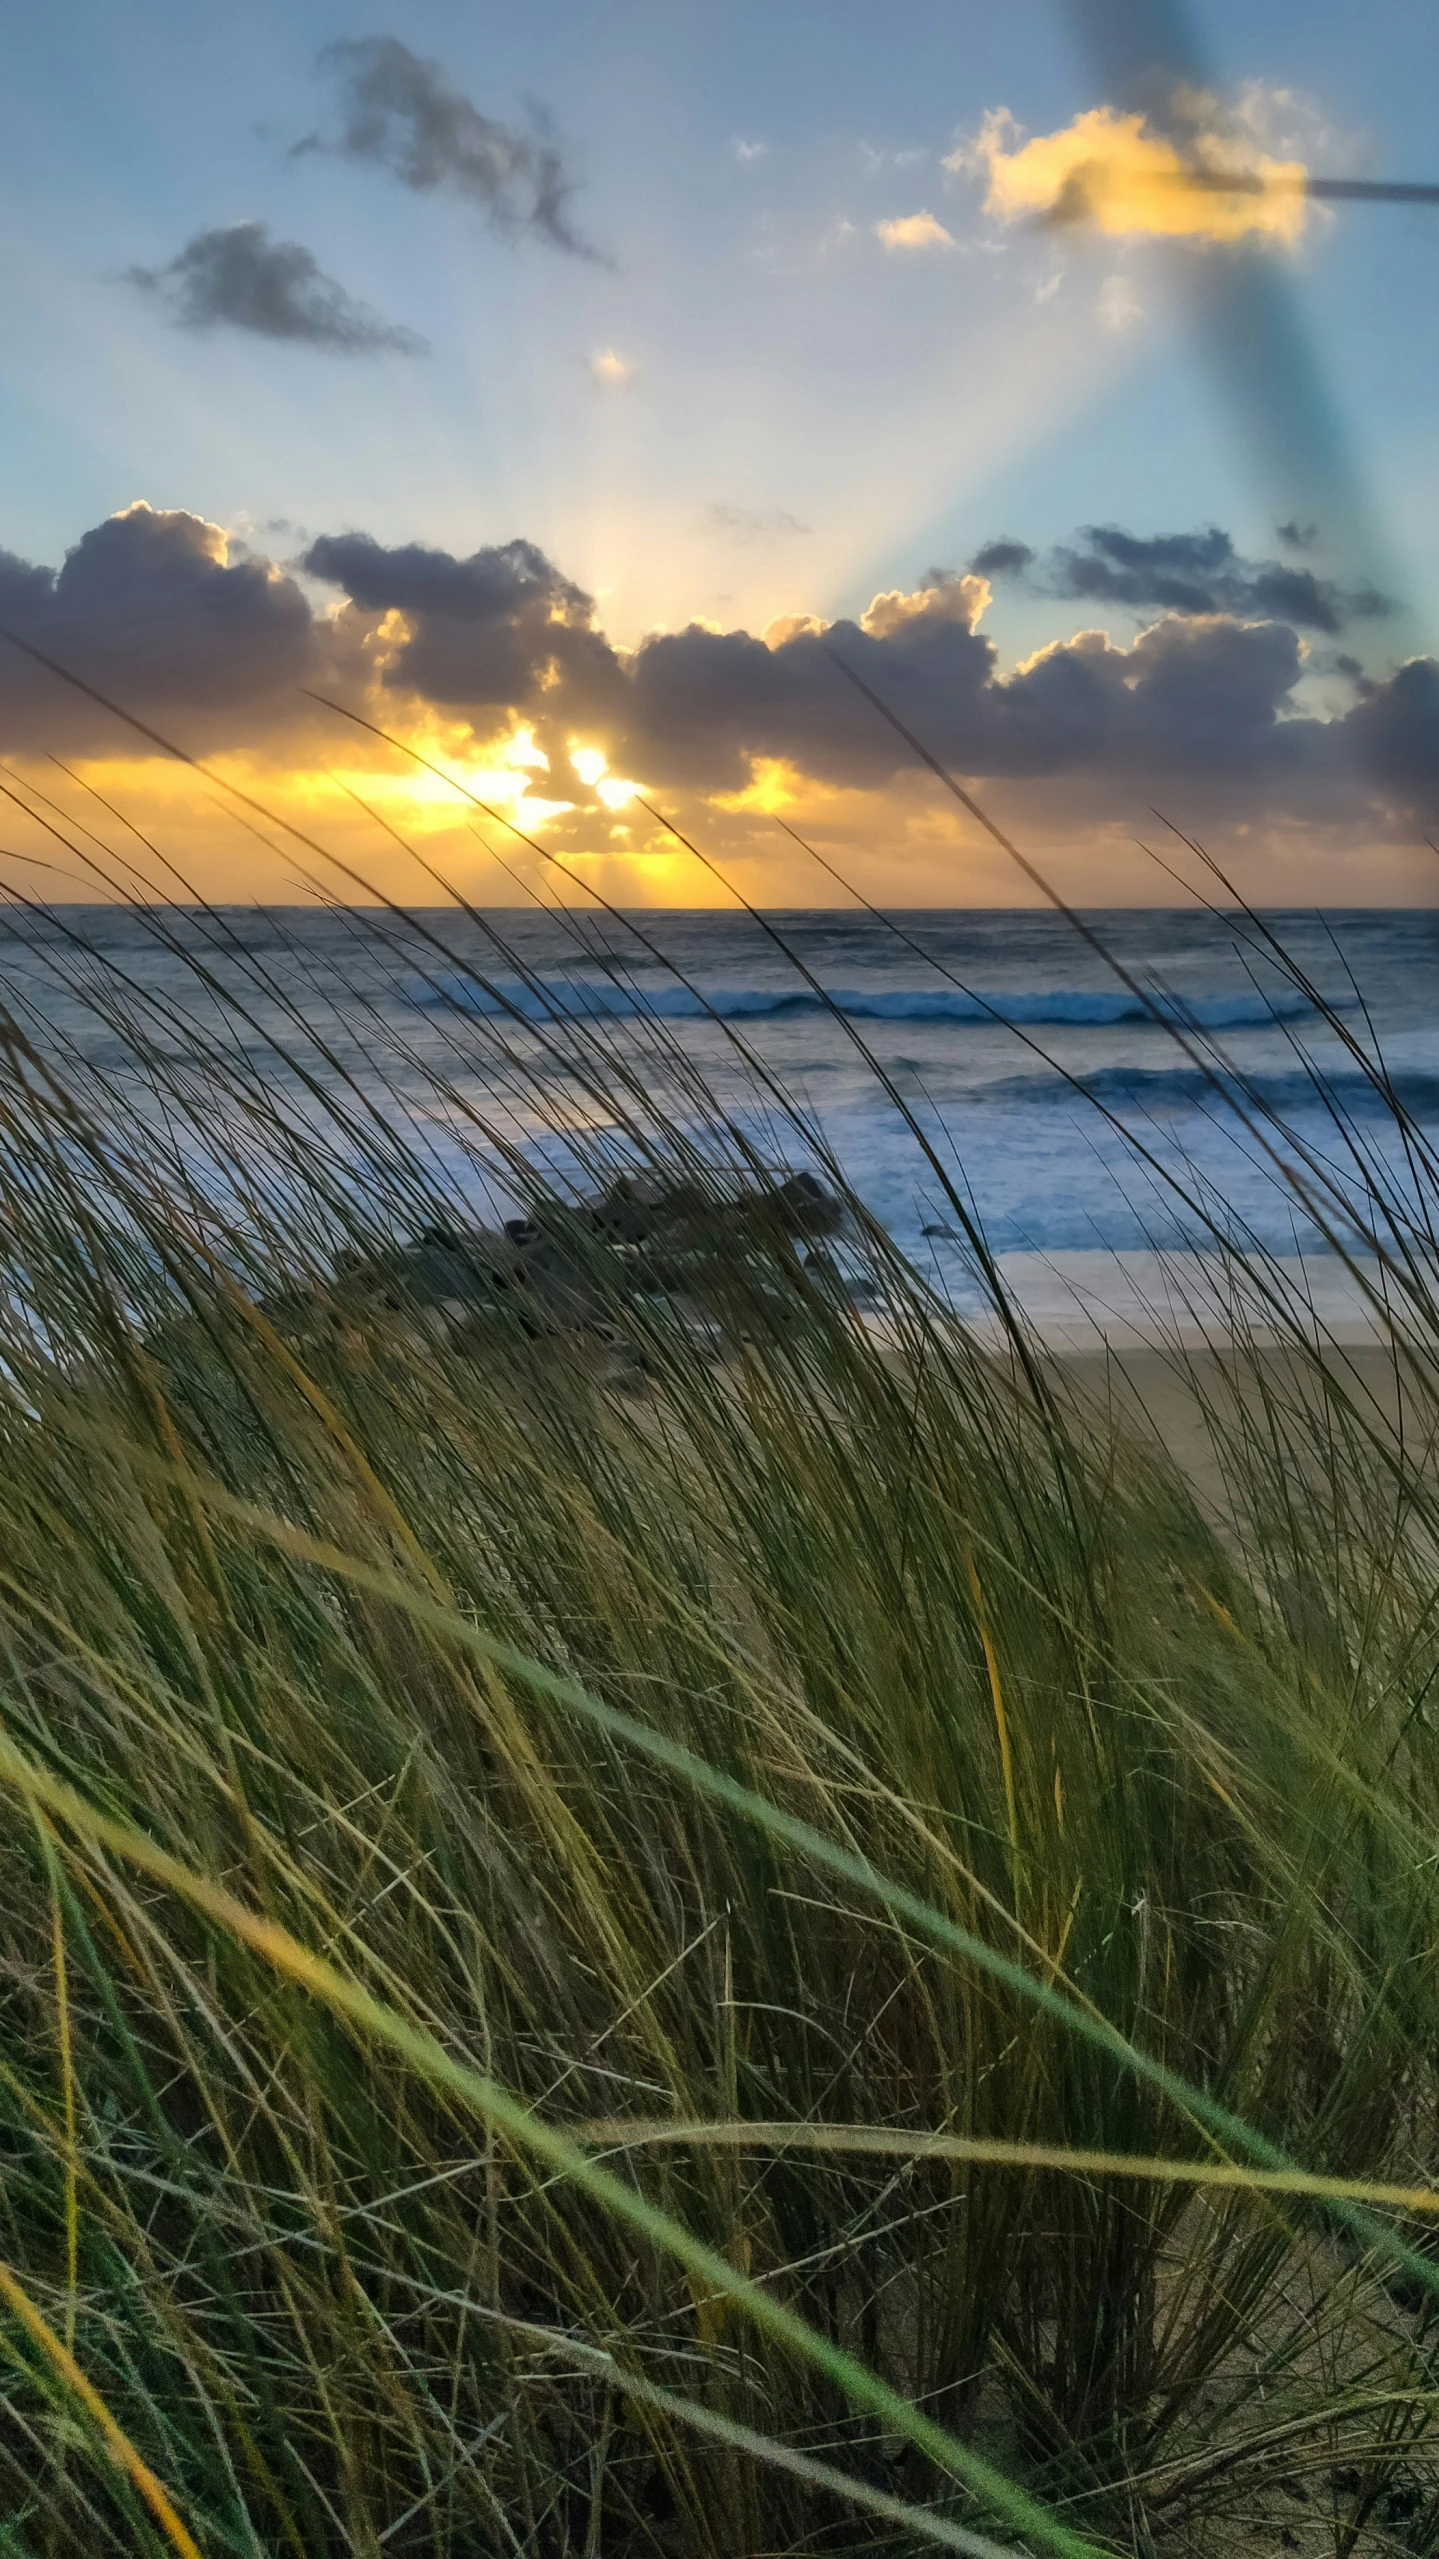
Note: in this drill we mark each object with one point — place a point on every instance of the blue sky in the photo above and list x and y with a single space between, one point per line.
753 407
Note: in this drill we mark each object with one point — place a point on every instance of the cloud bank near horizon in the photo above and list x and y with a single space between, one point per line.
1201 710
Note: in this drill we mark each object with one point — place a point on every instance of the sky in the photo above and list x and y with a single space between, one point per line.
583 394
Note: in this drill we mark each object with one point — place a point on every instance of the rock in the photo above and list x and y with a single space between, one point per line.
573 1269
443 1281
806 1207
637 1206
447 1270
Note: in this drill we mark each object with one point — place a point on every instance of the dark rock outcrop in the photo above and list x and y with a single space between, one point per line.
575 1268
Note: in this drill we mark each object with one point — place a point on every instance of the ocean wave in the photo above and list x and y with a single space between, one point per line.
1176 1088
563 999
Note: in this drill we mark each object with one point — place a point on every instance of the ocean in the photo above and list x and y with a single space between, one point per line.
1089 1097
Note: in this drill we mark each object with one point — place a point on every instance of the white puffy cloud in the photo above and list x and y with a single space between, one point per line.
909 231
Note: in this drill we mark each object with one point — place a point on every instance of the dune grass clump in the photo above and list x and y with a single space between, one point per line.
642 1915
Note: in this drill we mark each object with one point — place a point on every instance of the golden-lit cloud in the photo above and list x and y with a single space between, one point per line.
777 787
496 670
914 231
609 370
1114 174
943 599
792 626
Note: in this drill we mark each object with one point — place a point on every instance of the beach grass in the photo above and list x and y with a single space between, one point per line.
672 1909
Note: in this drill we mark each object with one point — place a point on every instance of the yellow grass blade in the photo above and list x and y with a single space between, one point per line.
996 1699
117 2443
641 2132
507 2115
67 2079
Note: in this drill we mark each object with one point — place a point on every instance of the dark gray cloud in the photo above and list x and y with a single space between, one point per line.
402 114
1200 712
241 277
1396 727
1185 695
500 629
1002 559
1187 573
148 607
1296 536
1199 702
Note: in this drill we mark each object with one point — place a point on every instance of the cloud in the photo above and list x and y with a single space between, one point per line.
1257 118
609 371
1198 712
943 596
750 150
753 524
1196 573
1296 536
1115 174
402 114
1118 306
1396 729
914 231
1002 559
240 277
1203 710
705 707
150 607
501 628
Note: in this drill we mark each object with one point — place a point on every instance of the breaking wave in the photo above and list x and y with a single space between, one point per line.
1182 1088
560 999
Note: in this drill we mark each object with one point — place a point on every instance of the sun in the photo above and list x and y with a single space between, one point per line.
592 765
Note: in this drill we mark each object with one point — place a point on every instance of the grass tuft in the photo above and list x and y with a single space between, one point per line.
640 1914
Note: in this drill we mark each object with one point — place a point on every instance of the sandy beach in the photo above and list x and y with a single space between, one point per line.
1165 1396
